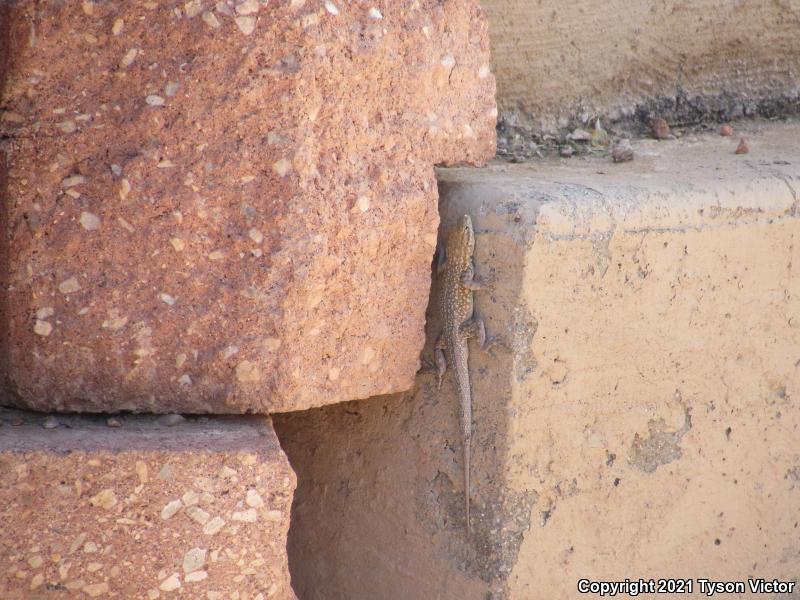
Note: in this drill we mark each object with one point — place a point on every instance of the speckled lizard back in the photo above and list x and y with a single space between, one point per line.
455 309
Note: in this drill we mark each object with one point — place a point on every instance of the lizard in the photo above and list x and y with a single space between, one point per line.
456 306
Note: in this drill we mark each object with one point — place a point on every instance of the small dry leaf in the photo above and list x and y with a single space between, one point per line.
659 128
742 148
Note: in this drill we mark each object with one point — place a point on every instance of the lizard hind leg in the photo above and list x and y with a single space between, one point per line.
474 329
441 361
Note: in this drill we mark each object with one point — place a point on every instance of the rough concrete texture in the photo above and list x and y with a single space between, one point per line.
560 63
642 422
198 510
228 208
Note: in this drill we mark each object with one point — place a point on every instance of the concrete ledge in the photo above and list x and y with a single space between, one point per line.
144 510
694 182
642 423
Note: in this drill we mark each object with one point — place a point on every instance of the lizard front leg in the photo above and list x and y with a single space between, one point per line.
473 283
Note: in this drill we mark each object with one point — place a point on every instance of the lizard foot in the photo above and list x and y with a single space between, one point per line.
427 367
476 284
473 329
441 364
494 343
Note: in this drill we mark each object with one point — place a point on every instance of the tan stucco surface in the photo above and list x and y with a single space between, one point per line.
641 423
556 60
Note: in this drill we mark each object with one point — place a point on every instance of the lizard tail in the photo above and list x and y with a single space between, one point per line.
466 480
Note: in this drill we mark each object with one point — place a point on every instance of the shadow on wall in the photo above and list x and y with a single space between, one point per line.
5 64
379 510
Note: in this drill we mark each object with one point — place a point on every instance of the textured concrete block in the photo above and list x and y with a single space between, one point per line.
642 422
145 510
219 207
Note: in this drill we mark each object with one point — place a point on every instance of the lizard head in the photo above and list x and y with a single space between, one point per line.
466 232
461 240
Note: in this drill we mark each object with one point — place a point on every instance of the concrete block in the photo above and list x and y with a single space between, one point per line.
152 508
218 207
642 422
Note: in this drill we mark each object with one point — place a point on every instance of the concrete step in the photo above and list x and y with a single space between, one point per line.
642 422
150 508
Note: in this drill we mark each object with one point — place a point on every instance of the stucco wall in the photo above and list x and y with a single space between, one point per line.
557 60
641 423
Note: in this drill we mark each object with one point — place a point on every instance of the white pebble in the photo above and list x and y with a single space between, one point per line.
246 24
170 509
254 499
171 88
246 516
170 584
89 221
42 328
256 235
129 57
248 7
69 286
67 126
73 181
45 312
282 167
194 560
154 100
198 515
213 526
211 20
167 299
192 8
